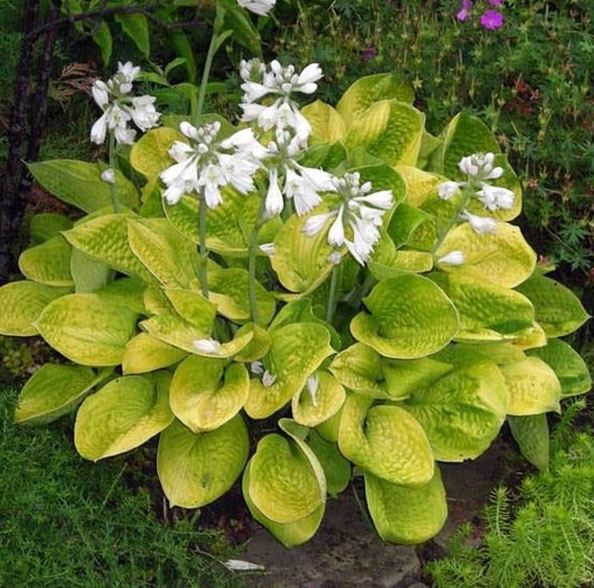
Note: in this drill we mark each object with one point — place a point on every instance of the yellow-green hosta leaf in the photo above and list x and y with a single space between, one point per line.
570 368
389 130
192 307
296 352
530 338
370 89
485 307
405 515
464 135
150 154
283 485
126 292
205 395
169 256
413 261
419 184
289 534
122 415
337 469
329 429
48 263
54 390
88 274
462 412
301 262
320 399
229 291
384 177
532 436
155 301
79 183
429 144
258 347
105 239
533 387
411 317
558 310
386 441
197 468
175 331
405 221
503 257
327 126
145 353
21 304
359 368
87 330
404 376
47 225
466 353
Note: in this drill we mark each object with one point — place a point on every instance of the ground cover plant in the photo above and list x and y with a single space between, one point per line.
538 534
65 522
317 293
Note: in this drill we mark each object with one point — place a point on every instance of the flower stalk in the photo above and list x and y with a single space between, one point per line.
253 250
115 200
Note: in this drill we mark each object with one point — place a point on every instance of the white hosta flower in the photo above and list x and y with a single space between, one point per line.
206 164
208 346
257 368
334 258
446 190
303 185
494 197
312 385
360 214
452 258
268 379
119 109
281 83
268 249
479 166
260 7
481 224
240 565
108 175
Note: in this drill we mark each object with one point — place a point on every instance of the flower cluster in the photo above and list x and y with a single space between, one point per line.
280 83
490 19
359 213
479 169
119 107
207 163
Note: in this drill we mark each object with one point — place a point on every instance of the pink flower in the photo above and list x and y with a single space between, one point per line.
465 9
492 20
495 2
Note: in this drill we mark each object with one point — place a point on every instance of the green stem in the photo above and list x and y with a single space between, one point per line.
115 200
331 306
202 269
212 49
466 196
253 250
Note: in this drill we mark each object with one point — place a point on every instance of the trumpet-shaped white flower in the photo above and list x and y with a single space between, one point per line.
298 183
359 213
268 379
281 83
494 197
260 7
208 346
479 166
452 258
446 190
119 108
481 224
206 164
313 385
108 175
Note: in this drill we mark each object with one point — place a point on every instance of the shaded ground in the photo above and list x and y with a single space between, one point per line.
347 553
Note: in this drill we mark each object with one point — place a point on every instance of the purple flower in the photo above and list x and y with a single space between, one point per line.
495 2
368 54
465 9
492 20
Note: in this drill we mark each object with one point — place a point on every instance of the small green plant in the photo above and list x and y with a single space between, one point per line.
338 275
544 537
67 523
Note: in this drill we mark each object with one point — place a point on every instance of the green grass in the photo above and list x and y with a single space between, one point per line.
66 522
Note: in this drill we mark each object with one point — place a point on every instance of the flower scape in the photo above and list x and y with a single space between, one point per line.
336 274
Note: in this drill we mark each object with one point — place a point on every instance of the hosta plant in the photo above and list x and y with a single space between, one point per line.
314 294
